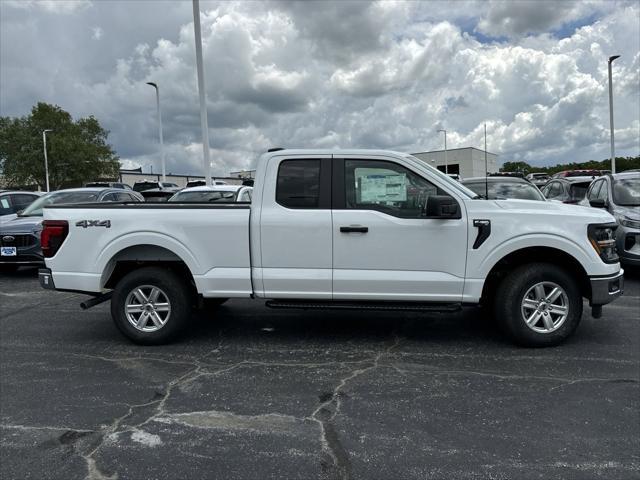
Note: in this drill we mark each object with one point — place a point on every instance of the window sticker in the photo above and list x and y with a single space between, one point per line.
383 188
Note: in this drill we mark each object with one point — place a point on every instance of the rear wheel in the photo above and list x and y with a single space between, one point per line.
151 306
538 305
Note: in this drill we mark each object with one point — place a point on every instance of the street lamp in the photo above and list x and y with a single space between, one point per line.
154 85
613 152
204 123
446 164
46 162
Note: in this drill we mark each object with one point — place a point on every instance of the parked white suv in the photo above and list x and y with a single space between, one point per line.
354 229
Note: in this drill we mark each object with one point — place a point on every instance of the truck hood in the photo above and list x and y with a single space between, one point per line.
16 224
532 207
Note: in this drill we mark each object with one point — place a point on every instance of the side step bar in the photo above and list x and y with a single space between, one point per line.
389 306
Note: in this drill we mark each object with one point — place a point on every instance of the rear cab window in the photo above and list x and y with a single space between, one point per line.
300 183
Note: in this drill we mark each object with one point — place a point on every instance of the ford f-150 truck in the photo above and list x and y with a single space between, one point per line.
347 229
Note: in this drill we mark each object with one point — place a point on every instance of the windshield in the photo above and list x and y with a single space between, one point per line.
204 196
35 209
626 192
506 190
577 191
446 178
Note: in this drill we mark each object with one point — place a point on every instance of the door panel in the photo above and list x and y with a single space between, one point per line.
295 229
398 258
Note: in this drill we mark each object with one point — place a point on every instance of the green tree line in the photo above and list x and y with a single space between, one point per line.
77 150
622 164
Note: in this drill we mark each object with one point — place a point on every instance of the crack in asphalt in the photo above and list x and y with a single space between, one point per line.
329 408
564 381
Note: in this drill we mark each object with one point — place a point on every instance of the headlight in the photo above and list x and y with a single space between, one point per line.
602 238
628 222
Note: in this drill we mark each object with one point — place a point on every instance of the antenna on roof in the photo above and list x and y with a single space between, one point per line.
275 149
486 171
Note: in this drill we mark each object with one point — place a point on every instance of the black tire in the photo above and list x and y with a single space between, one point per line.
510 296
179 296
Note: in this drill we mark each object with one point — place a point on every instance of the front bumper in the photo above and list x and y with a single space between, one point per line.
27 248
606 289
628 245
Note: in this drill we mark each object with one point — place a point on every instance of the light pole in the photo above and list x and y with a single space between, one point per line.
154 85
204 123
446 164
46 162
613 151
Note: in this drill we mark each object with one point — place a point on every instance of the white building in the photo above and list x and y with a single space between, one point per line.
466 162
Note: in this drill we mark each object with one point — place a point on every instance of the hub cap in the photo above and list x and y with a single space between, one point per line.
545 307
147 308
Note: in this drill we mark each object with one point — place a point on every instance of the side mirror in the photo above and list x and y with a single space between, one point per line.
442 206
598 203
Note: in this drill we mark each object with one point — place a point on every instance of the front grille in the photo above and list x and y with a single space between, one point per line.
18 240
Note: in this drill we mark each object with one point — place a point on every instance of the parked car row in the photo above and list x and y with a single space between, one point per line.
21 213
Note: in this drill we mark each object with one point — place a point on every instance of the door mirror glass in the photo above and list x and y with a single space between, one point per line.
442 206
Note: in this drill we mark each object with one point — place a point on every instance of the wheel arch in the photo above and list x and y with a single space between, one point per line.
537 254
137 256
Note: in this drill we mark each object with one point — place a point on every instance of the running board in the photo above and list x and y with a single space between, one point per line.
388 306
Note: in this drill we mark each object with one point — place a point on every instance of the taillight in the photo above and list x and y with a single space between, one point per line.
53 234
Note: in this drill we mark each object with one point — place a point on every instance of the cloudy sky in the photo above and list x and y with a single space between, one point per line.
331 74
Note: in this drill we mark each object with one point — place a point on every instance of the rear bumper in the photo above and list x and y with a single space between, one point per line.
46 279
606 289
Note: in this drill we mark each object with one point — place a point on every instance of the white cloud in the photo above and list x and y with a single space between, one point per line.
52 6
370 75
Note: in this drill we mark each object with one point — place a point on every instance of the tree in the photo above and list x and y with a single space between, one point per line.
77 150
523 167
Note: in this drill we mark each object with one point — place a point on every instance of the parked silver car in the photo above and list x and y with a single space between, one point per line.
12 201
619 194
20 233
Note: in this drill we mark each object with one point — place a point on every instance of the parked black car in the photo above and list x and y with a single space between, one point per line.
14 201
567 189
502 188
620 194
20 234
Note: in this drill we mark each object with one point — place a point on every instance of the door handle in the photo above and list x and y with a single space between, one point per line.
356 229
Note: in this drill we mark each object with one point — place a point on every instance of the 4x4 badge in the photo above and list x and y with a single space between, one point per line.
94 223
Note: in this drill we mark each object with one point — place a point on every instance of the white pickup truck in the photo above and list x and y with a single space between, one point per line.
347 229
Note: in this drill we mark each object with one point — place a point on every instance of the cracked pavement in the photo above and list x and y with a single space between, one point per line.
256 393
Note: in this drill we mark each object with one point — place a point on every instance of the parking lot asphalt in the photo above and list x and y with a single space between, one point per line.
256 393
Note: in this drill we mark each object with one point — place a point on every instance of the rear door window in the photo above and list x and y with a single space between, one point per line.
298 184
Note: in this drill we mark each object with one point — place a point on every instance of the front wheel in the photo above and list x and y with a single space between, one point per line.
151 306
538 305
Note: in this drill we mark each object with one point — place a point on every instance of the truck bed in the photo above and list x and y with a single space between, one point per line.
211 239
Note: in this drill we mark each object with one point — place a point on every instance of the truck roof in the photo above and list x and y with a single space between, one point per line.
335 151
